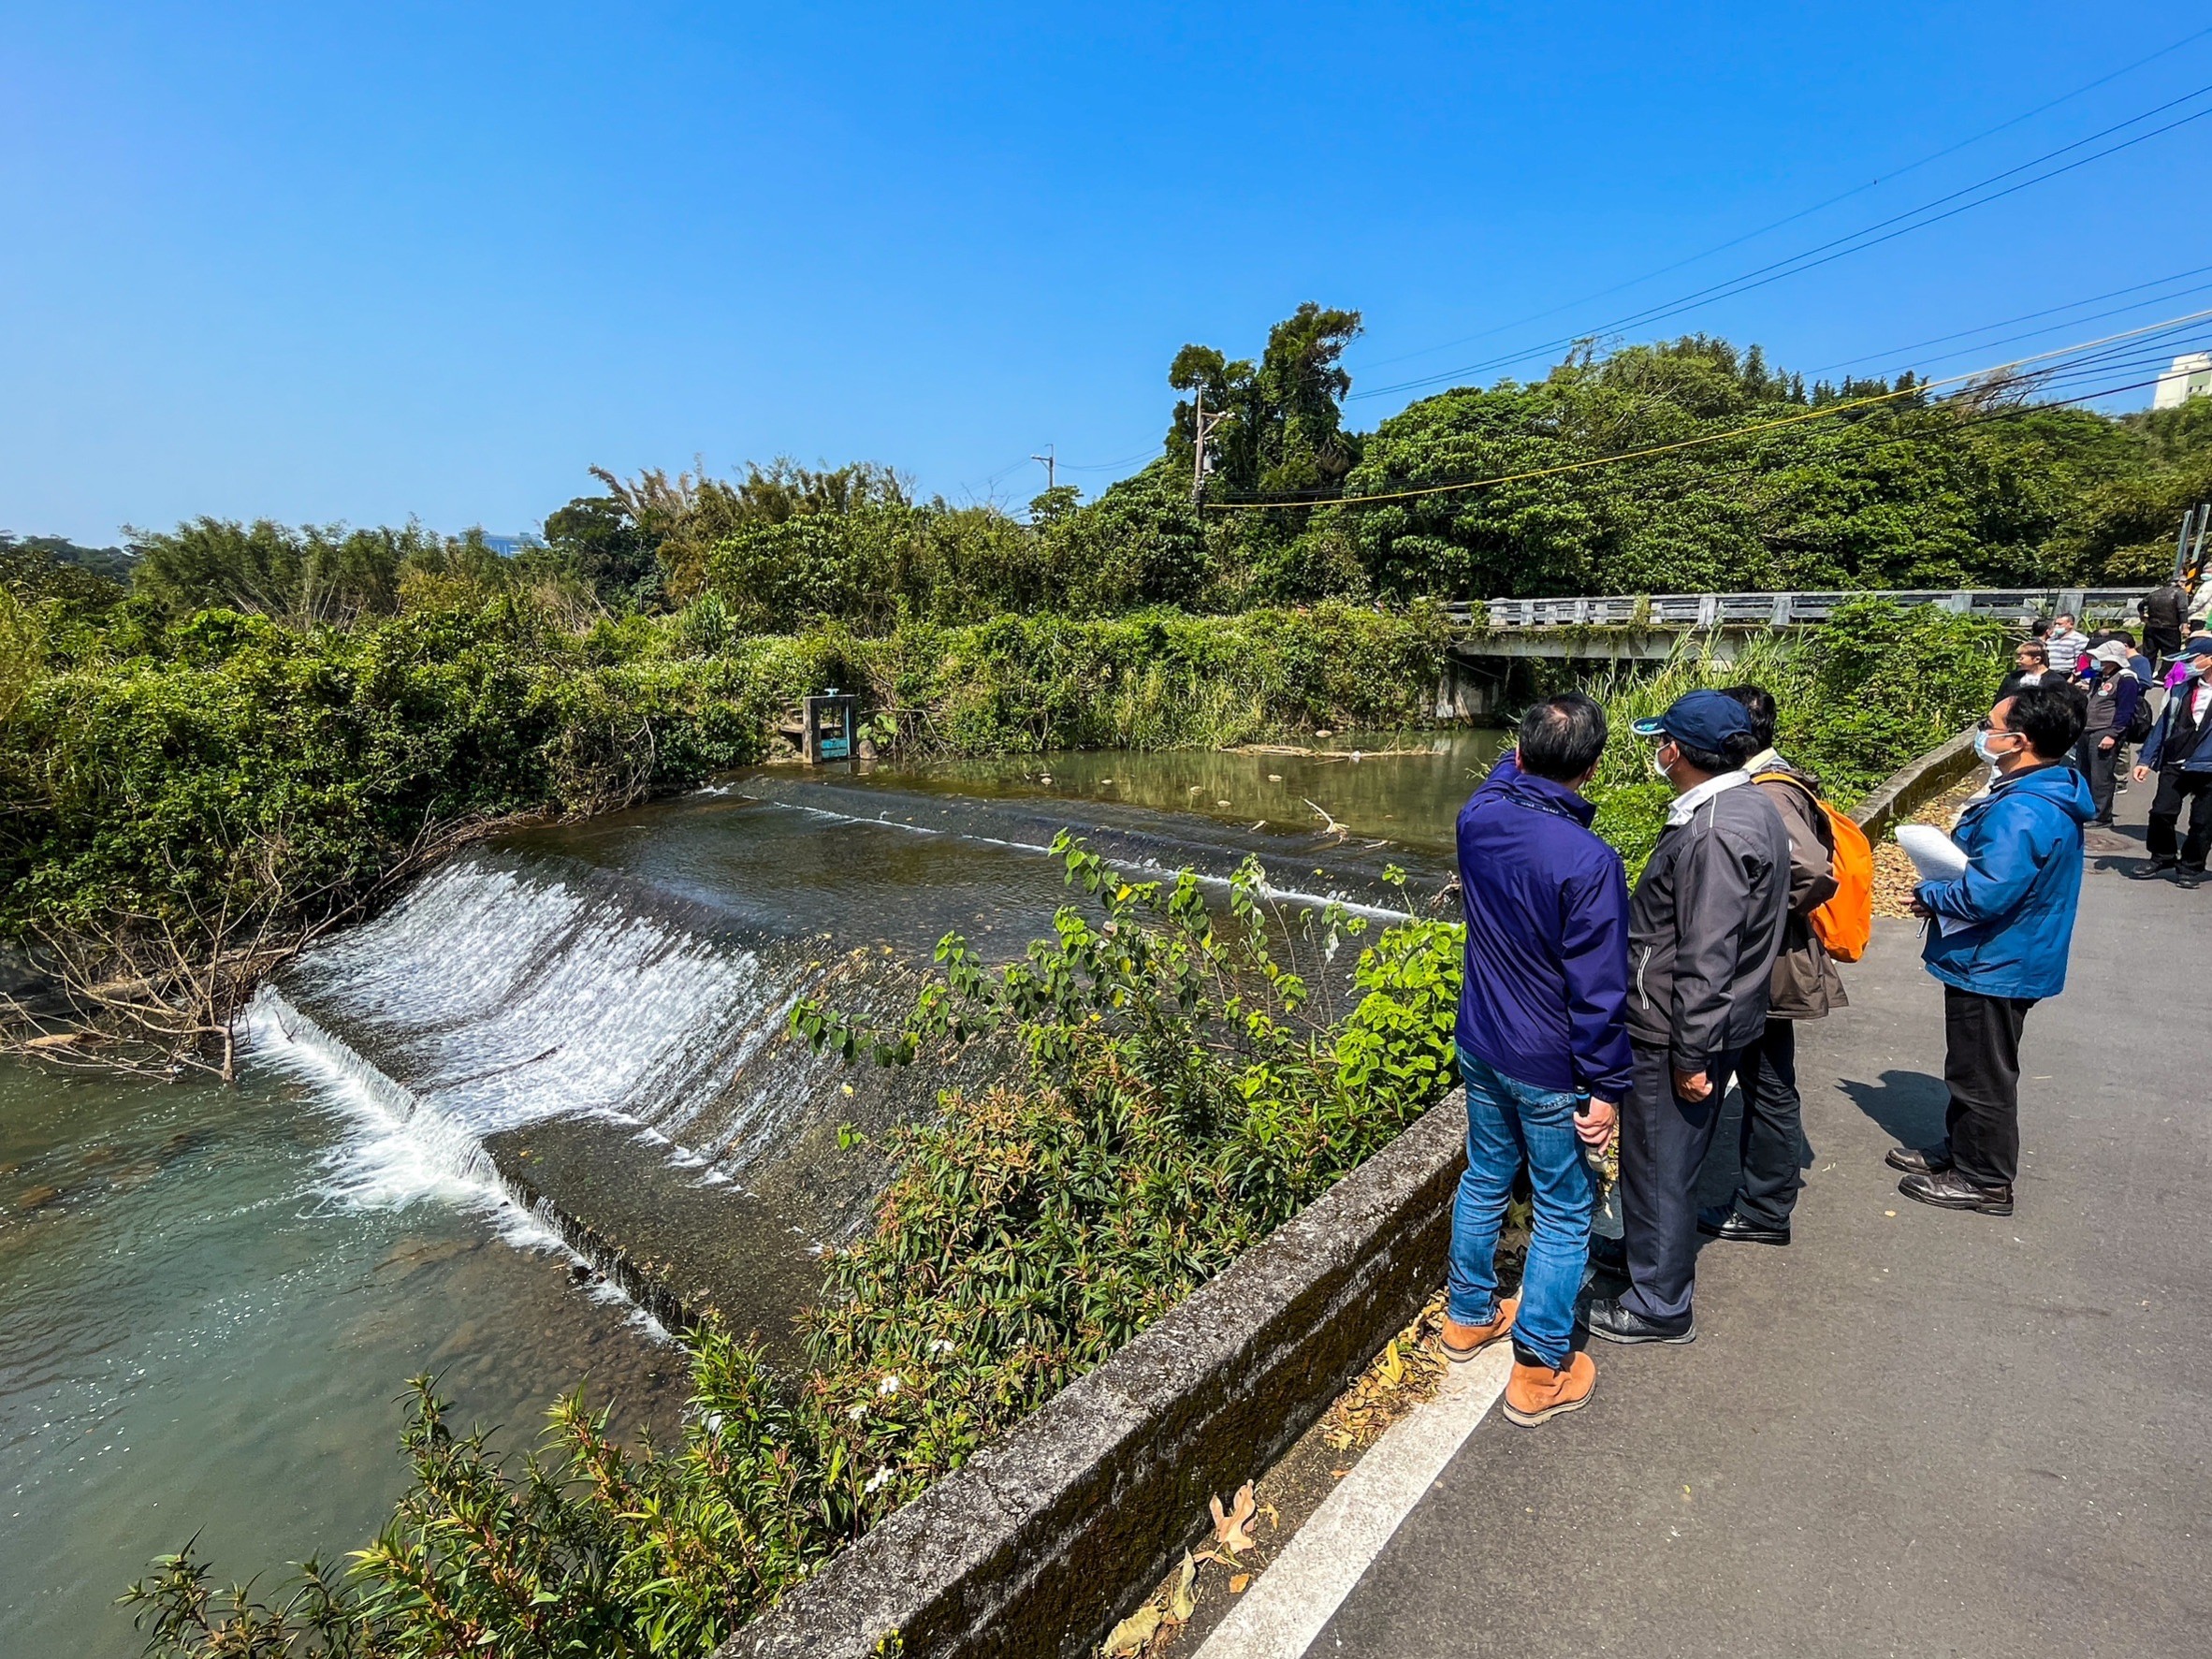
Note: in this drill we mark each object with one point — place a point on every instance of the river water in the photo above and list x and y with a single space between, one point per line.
212 1298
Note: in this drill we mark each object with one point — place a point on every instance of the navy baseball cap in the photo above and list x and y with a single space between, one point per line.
1703 719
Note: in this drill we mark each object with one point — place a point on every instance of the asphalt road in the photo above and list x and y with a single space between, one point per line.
1912 1430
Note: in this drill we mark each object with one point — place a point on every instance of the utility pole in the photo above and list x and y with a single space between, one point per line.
2196 563
1049 461
2189 525
1197 467
1202 425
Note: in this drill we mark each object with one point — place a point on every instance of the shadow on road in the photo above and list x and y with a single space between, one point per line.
1909 1105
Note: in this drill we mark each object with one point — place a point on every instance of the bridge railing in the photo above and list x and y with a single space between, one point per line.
1682 612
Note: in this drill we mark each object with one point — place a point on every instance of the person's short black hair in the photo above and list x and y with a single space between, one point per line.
2040 629
2049 717
2123 636
1561 736
1758 702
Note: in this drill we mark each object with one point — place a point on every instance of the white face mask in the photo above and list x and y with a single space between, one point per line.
1659 767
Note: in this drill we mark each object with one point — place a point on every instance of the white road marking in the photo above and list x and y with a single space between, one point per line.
1289 1604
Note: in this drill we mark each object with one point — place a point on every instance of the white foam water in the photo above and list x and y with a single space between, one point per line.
403 1150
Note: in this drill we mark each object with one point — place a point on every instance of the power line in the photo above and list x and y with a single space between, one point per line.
1142 455
1856 241
2028 318
2008 371
1805 213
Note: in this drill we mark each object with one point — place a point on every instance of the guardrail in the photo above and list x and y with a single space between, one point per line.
1682 612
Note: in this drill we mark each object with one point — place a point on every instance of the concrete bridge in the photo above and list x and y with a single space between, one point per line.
1646 626
1488 635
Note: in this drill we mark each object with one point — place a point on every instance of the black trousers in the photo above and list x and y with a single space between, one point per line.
1663 1139
1771 1144
2098 765
2175 787
1981 1066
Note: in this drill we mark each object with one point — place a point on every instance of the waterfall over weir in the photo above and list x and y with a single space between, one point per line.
589 1020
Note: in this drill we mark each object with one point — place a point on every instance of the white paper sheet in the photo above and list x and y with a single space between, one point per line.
1936 858
1934 854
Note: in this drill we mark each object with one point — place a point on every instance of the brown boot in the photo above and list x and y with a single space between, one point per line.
1535 1393
1462 1343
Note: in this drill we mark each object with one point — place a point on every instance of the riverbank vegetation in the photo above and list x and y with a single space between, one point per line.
1188 1082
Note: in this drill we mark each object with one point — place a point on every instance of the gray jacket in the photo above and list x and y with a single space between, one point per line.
1706 926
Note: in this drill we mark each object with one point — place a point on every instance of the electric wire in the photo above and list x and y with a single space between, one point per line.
1802 212
1900 351
1856 241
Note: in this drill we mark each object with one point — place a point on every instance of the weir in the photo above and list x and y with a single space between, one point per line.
591 1018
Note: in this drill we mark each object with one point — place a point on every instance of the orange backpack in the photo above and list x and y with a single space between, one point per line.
1845 924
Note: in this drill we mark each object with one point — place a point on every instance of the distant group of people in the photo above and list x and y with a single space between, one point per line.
2115 679
1588 1012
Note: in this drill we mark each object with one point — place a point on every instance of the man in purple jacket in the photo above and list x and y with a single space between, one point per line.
1543 1045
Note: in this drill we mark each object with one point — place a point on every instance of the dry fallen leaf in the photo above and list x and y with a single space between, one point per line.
1237 1583
1134 1631
1232 1527
1183 1604
1392 1368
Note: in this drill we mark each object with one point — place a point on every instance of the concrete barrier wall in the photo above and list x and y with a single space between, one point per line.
1904 792
1047 1536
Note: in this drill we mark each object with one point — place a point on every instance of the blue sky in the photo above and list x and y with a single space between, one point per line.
363 263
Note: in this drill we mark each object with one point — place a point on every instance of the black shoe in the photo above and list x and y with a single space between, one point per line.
1732 1225
1947 1189
1609 1256
1919 1161
1615 1323
2155 868
2189 875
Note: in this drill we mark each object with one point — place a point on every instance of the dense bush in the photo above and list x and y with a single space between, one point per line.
1187 1092
1154 680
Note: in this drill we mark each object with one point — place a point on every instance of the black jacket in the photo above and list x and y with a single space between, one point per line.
1706 926
2165 610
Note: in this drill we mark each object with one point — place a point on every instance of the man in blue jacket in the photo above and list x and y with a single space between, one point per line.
1998 937
1543 1046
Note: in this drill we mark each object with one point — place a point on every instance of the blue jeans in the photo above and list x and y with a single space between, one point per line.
1508 1122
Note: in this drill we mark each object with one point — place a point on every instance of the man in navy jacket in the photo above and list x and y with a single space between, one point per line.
1543 1046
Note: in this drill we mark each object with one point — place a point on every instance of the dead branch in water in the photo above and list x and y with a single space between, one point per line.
158 993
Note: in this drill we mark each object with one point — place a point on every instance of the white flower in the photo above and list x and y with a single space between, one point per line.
941 1346
877 1478
857 1410
890 1383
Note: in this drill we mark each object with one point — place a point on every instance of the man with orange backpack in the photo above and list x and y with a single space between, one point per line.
1831 899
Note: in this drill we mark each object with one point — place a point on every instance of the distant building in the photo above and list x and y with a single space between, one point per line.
2189 377
508 546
